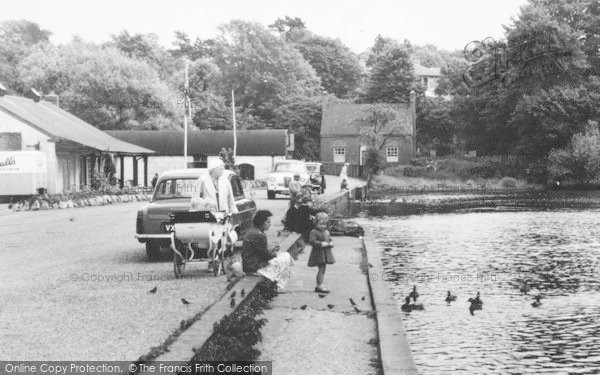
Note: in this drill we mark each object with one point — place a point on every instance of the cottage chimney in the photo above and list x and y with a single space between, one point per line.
3 90
52 98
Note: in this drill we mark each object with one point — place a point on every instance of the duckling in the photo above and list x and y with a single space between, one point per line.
537 302
525 288
414 295
450 297
408 307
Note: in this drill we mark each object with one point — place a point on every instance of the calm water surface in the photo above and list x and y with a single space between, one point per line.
508 257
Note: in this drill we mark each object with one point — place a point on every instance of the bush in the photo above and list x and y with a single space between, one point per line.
508 182
581 160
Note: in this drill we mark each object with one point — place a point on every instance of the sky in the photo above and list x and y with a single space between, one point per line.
449 24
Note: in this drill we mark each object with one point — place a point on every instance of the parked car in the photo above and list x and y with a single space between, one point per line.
279 178
173 193
317 177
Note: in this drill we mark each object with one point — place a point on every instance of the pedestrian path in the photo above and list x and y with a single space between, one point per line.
307 334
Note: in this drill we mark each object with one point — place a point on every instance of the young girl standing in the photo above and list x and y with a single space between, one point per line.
320 254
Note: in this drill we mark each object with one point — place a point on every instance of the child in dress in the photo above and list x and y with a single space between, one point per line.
321 254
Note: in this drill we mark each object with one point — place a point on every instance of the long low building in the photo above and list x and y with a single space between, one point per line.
43 147
257 150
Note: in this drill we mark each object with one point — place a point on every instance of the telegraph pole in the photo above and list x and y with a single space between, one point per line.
187 110
234 125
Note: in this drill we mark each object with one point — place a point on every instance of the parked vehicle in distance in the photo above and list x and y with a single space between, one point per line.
317 177
173 193
279 178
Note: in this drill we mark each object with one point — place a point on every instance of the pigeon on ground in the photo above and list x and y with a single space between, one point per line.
322 295
330 306
71 219
243 293
183 300
153 290
352 302
356 309
233 294
303 307
363 298
232 303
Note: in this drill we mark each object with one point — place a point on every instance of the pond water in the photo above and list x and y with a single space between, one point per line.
508 257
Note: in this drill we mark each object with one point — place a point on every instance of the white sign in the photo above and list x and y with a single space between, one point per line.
13 162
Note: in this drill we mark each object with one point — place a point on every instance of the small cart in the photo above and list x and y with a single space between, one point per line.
202 236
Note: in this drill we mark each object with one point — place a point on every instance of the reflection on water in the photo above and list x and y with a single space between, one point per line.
509 257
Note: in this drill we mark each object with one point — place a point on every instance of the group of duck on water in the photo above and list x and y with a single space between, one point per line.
475 303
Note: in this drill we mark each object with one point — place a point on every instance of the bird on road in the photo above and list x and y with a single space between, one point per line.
303 307
356 309
184 301
71 219
352 302
153 290
363 298
537 301
232 302
243 293
233 294
330 306
322 295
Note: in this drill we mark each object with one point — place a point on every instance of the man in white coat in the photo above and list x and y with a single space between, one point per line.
215 188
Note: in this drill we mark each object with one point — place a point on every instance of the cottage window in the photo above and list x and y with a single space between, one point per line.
339 154
391 154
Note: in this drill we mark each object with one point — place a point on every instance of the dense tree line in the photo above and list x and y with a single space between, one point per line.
280 75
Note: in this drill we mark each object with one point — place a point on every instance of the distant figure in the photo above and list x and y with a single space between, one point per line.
295 188
154 180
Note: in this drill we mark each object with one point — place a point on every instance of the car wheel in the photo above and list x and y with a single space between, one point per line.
270 194
152 250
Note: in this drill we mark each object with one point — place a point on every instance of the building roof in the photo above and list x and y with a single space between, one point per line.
423 71
343 118
59 123
208 142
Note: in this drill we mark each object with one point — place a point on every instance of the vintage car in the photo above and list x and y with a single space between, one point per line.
173 193
279 178
317 177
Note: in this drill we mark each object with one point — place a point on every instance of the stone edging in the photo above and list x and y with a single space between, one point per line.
100 200
394 351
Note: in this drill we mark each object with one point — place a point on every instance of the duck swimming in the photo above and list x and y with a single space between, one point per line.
476 304
450 297
536 301
408 307
414 295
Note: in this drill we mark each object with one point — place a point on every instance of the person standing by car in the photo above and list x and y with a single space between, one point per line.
154 180
216 187
295 188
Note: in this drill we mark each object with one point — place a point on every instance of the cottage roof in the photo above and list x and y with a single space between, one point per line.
209 142
59 123
343 118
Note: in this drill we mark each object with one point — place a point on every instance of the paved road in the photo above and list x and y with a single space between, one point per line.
74 284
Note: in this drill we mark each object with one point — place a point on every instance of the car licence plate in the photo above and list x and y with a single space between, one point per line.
167 227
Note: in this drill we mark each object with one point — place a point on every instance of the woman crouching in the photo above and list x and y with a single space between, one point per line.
256 256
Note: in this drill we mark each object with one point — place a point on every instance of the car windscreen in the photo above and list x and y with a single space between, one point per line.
175 188
312 168
290 167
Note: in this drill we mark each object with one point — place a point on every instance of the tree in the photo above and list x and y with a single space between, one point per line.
264 71
376 126
226 155
581 160
302 117
17 40
102 86
285 26
391 77
452 82
335 64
